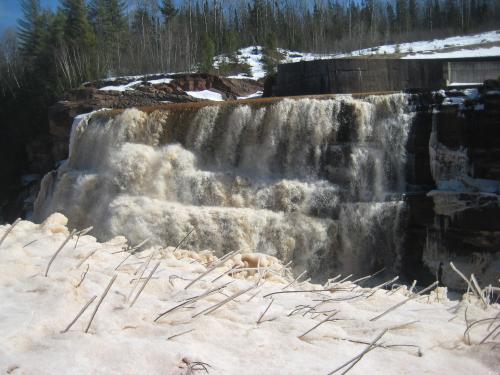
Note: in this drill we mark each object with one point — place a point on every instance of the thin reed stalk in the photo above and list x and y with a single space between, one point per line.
100 301
58 251
79 314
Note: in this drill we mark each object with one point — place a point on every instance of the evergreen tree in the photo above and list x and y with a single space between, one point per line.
271 57
32 29
391 20
207 54
402 16
168 10
412 15
78 31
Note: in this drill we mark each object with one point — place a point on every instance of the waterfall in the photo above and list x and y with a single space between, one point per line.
308 180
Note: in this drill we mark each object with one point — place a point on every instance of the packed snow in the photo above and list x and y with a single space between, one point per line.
257 94
477 52
128 86
433 48
160 81
173 311
207 95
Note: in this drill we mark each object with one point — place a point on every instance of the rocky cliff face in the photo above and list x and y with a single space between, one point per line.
43 153
455 203
452 168
151 91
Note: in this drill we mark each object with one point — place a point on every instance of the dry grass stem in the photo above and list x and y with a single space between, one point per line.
213 267
479 290
83 277
413 285
475 323
190 300
320 323
434 284
180 334
369 276
86 258
394 291
9 230
419 350
222 303
305 291
356 359
404 325
264 313
35 240
380 286
345 279
330 281
256 293
489 334
464 278
58 251
79 314
294 280
197 366
80 233
225 273
100 301
184 239
145 283
145 266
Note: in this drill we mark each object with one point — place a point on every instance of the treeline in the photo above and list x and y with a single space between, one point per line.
87 39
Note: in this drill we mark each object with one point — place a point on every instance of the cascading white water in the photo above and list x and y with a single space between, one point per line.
302 179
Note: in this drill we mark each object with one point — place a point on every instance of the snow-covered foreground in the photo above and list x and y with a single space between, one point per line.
257 332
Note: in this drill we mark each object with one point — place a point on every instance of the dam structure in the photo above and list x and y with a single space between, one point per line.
317 181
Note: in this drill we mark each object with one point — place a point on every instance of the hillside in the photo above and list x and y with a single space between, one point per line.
482 44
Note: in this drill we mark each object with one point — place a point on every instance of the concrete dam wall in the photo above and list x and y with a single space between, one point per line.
342 76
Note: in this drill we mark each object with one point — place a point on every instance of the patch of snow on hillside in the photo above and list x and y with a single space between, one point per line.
249 55
257 94
420 49
257 332
206 94
412 50
478 52
128 86
161 80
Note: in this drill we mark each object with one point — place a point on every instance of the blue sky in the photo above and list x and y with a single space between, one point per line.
10 12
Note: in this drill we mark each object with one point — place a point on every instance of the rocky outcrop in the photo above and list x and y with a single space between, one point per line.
464 150
231 88
145 94
43 153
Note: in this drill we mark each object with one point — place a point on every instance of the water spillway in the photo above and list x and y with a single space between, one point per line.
314 180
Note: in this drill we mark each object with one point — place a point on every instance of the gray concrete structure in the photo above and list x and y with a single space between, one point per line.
375 75
472 71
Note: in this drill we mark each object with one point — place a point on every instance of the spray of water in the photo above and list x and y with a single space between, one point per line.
305 180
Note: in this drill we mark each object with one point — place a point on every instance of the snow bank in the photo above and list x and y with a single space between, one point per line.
424 335
472 46
128 86
429 48
477 52
206 94
161 80
257 94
